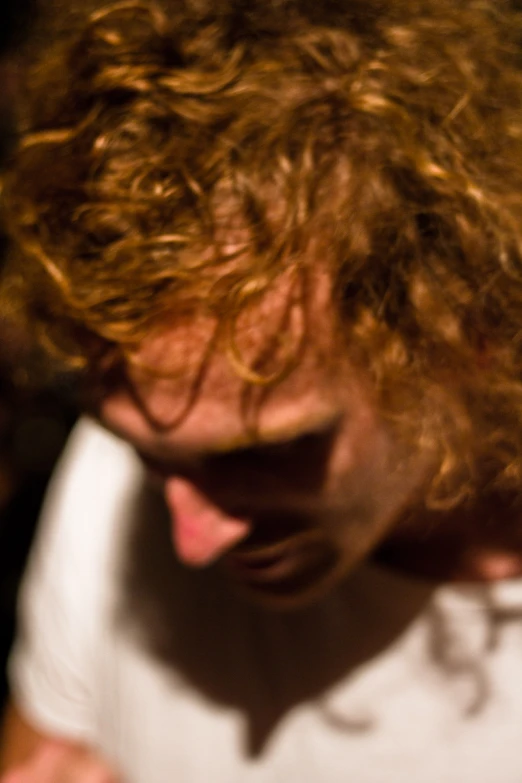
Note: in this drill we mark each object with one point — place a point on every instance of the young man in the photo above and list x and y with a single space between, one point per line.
282 243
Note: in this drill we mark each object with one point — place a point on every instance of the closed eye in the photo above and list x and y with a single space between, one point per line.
308 448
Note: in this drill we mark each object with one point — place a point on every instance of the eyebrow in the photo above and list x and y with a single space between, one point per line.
242 446
321 425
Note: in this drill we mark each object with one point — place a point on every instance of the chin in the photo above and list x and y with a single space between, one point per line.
289 583
299 567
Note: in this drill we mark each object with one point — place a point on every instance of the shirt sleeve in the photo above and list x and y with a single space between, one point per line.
52 668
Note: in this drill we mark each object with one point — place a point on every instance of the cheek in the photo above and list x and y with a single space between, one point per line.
371 483
361 454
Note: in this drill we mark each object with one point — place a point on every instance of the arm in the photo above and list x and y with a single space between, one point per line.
19 739
29 756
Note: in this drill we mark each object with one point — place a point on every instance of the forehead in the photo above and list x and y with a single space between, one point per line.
183 381
205 394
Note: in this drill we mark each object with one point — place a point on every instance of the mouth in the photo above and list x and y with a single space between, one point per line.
286 573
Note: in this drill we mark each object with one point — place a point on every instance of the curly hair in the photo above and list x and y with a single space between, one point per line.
179 157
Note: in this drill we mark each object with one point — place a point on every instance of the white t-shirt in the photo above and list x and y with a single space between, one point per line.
178 680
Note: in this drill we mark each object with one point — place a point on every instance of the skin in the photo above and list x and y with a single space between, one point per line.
288 487
29 756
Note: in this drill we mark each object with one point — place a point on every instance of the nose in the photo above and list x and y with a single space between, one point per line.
201 531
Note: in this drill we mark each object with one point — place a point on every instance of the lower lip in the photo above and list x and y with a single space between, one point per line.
265 570
285 580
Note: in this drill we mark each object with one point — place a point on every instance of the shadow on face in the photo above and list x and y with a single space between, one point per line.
257 662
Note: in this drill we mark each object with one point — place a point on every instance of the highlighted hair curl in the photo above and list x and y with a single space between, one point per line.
180 157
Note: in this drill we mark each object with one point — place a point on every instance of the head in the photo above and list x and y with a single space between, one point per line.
282 243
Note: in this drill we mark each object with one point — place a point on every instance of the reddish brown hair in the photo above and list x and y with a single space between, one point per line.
182 156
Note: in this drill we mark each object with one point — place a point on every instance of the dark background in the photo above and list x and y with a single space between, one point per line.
33 423
33 430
